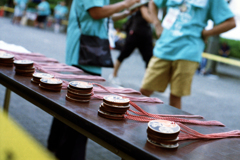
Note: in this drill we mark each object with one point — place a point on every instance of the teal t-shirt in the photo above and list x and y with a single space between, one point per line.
89 26
60 11
21 4
44 9
182 40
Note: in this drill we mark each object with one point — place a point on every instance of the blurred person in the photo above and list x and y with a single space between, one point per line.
177 52
224 50
139 35
212 47
87 17
60 12
20 6
43 10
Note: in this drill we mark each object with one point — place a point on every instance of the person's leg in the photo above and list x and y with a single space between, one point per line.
182 73
72 145
41 25
129 46
146 92
16 14
19 19
36 22
41 21
14 20
145 46
57 25
117 64
175 101
157 76
56 133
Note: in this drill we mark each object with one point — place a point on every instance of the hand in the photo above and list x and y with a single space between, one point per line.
129 3
127 12
204 36
158 29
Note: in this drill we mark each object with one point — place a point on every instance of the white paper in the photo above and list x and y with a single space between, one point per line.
170 18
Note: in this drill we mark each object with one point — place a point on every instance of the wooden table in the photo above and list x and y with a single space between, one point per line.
125 138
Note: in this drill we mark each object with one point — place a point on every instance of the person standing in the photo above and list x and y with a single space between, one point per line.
20 6
224 50
43 10
60 12
88 17
139 35
177 52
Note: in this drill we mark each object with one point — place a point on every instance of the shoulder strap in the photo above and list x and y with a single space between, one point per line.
79 25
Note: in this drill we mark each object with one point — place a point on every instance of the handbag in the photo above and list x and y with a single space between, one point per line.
94 51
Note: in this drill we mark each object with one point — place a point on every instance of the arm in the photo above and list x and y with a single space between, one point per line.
216 30
118 16
146 14
121 15
154 14
108 10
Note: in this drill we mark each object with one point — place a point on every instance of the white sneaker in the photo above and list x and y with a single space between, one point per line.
114 80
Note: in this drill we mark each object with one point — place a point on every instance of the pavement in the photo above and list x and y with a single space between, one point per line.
213 97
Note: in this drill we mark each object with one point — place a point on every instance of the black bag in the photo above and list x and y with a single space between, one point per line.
94 51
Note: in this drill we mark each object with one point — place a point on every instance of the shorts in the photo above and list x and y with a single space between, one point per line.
58 21
41 19
178 73
141 41
18 12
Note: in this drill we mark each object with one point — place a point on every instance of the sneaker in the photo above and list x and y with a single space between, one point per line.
114 80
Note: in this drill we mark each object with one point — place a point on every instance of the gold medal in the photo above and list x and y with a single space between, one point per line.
183 7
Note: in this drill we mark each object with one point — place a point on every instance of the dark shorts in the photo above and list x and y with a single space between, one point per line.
41 19
141 41
58 20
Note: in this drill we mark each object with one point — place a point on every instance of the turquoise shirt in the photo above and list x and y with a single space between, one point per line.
60 11
44 9
89 26
183 39
21 4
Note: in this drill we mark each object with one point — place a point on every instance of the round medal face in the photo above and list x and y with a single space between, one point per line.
81 84
5 55
42 75
183 7
51 80
116 99
23 62
163 126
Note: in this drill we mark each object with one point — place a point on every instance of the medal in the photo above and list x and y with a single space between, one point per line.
183 7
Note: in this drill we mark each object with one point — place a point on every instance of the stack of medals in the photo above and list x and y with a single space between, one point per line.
79 91
37 76
24 67
162 133
6 59
114 107
51 84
